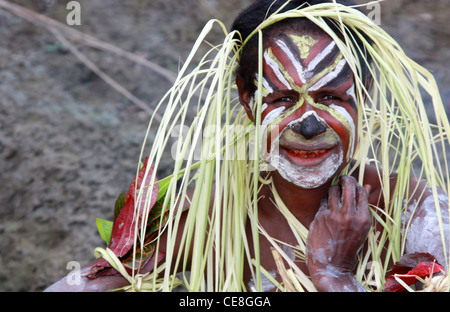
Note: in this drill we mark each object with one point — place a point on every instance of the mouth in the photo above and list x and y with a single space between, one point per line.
303 152
307 154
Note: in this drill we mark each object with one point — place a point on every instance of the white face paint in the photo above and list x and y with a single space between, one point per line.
296 161
297 65
320 57
329 77
274 66
307 177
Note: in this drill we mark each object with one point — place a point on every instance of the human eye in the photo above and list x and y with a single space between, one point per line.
281 98
284 99
328 99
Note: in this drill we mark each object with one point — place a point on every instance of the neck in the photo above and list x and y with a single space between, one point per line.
303 203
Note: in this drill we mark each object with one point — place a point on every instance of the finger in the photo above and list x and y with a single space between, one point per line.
368 189
363 208
348 186
334 198
362 202
323 204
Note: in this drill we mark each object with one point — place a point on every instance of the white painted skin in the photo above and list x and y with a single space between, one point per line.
308 177
330 76
304 176
298 66
320 57
424 232
274 66
305 73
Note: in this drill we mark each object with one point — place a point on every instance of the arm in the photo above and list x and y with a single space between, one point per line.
336 235
424 232
83 284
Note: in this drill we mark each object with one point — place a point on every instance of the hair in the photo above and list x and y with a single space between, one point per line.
251 17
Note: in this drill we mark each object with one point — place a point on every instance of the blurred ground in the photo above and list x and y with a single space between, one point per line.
69 143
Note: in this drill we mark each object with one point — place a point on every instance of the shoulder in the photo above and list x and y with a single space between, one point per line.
372 175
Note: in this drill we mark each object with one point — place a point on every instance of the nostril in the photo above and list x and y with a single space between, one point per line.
309 127
297 127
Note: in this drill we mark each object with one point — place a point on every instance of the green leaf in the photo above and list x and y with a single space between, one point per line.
163 184
120 202
105 229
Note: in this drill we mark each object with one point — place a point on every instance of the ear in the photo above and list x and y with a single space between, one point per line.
245 97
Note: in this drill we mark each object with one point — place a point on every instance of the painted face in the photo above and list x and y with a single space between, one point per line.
309 109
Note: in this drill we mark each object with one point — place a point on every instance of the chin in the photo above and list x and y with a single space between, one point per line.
308 176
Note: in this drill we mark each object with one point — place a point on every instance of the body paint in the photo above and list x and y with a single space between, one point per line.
424 228
305 43
276 70
296 63
307 176
302 79
320 57
329 76
350 123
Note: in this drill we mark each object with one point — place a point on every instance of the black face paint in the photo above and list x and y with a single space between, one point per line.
309 127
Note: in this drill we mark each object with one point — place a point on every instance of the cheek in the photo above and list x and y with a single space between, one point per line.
269 114
343 122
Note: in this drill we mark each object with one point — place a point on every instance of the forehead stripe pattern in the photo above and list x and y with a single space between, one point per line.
276 69
316 60
330 76
325 76
297 65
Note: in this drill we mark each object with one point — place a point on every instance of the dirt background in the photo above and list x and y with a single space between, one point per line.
69 143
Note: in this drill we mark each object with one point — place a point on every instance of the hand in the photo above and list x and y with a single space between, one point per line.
338 231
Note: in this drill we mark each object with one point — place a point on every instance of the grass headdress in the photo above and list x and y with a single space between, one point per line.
216 155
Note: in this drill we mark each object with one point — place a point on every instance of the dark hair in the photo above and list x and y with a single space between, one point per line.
251 17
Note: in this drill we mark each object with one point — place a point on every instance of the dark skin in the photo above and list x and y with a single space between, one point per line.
325 221
332 213
337 213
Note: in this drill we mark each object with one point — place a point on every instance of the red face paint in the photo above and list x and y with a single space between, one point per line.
319 86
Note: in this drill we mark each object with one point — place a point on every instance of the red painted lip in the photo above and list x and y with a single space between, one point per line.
307 155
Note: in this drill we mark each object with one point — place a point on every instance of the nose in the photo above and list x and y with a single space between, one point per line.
309 127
